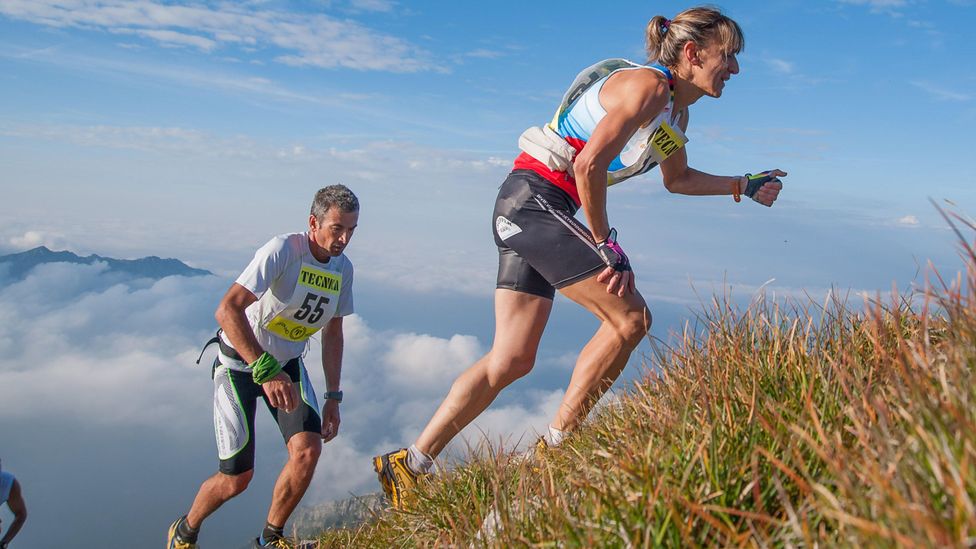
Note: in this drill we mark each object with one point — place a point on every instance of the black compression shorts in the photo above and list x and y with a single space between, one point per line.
541 246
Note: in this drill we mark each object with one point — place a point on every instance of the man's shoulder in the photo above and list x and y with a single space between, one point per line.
287 240
287 244
343 263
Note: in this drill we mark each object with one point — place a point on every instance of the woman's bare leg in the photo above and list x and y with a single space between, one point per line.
520 319
624 322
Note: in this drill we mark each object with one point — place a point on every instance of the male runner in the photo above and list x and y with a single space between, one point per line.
11 495
296 285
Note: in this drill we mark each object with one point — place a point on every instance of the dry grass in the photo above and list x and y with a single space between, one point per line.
781 425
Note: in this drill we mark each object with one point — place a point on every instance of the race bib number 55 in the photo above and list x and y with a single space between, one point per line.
312 305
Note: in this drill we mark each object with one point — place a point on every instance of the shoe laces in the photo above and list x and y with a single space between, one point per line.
281 543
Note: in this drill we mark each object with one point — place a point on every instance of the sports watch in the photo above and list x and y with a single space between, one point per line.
334 395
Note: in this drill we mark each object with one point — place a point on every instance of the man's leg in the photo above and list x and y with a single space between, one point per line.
520 319
624 322
304 450
214 492
234 408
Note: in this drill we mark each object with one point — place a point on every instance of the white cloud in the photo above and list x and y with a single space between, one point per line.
484 53
515 426
175 39
182 76
299 39
120 345
143 138
33 239
940 93
397 156
878 5
384 6
908 221
780 65
419 360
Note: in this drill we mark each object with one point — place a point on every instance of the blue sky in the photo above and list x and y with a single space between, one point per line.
199 130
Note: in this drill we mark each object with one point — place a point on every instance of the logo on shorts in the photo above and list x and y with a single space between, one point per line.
506 228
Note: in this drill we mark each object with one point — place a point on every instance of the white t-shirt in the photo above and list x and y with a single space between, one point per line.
6 484
297 295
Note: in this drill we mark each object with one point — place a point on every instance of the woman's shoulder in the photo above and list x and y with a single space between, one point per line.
646 82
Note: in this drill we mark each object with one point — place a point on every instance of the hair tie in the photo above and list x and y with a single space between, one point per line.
665 26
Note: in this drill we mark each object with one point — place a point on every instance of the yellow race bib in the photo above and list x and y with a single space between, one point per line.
666 141
312 304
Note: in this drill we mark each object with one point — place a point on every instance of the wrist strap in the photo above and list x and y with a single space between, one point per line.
612 254
736 194
264 368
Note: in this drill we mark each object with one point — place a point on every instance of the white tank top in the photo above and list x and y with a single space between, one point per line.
646 148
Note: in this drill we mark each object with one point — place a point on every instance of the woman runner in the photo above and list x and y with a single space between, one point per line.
618 119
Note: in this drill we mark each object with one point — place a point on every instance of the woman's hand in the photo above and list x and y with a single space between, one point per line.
619 275
764 187
618 282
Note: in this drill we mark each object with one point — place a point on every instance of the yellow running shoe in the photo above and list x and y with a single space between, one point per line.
280 543
173 541
541 448
397 480
539 454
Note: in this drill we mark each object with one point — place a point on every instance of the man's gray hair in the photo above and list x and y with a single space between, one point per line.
334 196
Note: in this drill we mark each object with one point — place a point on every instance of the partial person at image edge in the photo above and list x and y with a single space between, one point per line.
12 495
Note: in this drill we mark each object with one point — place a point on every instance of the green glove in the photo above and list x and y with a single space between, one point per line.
264 368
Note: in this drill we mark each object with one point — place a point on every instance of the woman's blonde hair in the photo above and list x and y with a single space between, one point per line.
701 25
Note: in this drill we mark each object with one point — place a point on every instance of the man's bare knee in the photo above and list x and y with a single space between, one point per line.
305 450
235 484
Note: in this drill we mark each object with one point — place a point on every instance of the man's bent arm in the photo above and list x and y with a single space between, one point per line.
232 320
230 315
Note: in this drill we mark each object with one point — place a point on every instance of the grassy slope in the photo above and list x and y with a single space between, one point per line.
768 428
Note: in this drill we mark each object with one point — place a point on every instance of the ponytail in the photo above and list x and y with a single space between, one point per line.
665 37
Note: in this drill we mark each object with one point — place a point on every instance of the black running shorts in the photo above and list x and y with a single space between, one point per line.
541 246
235 404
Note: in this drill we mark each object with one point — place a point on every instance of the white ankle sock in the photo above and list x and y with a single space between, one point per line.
555 437
417 461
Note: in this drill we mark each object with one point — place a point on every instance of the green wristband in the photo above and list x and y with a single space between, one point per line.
264 368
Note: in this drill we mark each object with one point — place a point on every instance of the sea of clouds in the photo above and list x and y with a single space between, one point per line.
106 416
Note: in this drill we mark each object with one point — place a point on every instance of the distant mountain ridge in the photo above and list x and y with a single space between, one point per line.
147 267
308 521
